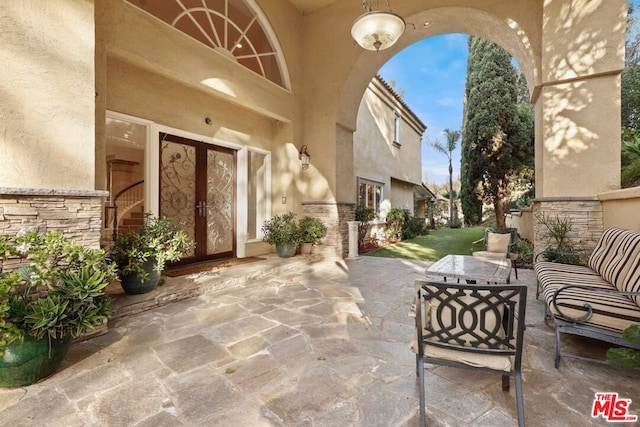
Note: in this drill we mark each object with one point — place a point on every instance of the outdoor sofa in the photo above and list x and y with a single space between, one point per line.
599 300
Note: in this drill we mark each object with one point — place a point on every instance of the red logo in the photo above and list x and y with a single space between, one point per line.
612 408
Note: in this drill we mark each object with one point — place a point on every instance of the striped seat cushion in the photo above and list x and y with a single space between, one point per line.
611 312
616 258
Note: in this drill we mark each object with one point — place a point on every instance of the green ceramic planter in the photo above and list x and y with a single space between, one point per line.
133 285
32 360
286 250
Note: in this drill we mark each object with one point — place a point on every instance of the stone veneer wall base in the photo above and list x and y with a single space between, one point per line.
75 213
586 214
335 216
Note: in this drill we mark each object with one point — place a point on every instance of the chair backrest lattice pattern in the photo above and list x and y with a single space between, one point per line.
471 318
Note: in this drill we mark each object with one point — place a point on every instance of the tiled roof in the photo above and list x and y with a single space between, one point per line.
399 99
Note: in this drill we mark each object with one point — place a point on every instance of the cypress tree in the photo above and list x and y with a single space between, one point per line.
492 135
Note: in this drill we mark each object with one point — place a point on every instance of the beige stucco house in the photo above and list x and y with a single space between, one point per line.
209 102
387 151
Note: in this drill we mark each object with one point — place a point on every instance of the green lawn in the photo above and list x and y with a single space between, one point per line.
440 242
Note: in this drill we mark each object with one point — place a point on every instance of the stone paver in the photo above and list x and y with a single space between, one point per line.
320 344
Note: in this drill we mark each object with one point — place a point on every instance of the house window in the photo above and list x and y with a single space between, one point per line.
235 28
397 121
257 193
370 194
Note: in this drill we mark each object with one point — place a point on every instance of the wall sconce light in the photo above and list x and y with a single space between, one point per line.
304 157
377 29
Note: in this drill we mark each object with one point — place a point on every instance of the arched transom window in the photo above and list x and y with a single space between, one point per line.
234 28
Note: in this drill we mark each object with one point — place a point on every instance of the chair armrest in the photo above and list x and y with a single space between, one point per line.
473 245
586 305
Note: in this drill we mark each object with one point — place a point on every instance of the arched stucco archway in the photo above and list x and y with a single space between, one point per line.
571 53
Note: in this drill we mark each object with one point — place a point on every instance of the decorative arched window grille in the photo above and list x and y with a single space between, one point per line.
235 28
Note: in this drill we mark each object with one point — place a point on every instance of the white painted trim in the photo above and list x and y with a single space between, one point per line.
148 195
152 180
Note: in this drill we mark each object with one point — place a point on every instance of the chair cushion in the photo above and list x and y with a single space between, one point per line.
614 254
445 317
496 362
489 255
498 242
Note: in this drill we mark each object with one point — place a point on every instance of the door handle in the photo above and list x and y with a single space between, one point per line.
202 208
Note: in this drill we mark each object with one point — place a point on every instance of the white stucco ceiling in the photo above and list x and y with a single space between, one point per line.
309 6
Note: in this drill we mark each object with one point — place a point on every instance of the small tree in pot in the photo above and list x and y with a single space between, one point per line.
313 231
282 231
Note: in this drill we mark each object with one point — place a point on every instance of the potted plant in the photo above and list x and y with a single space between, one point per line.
312 232
52 289
141 255
282 231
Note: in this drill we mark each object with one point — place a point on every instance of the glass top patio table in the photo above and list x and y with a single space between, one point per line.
472 269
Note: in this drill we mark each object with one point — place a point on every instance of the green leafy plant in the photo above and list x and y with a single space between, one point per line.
363 215
158 240
414 227
281 229
627 358
632 149
525 252
58 289
312 230
396 219
560 247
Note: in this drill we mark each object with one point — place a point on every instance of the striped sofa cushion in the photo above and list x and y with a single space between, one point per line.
631 283
610 312
614 254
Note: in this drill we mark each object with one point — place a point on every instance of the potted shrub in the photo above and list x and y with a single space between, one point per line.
52 289
141 255
282 231
312 232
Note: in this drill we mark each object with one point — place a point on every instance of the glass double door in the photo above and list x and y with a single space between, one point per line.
197 188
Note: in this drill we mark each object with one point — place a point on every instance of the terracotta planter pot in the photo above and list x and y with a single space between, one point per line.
32 360
134 285
306 248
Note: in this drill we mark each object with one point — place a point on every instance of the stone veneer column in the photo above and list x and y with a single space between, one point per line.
335 216
75 213
586 216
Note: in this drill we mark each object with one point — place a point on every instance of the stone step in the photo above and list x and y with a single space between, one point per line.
179 288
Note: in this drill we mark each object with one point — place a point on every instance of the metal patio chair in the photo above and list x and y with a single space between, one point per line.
496 244
477 327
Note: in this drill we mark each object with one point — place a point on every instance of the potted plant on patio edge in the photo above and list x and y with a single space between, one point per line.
312 232
282 231
141 255
52 289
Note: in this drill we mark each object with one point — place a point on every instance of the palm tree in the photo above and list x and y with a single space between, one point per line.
447 150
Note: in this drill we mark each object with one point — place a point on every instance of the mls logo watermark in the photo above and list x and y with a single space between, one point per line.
612 408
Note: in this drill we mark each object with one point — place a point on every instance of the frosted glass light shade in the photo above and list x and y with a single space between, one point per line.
377 30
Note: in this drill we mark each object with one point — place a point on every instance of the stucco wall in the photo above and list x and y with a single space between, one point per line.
375 155
621 208
47 87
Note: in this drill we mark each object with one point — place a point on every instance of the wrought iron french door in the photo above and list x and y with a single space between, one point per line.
197 188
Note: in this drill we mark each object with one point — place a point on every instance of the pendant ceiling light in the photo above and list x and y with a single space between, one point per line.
377 29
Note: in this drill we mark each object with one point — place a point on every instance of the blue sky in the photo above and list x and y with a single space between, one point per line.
430 75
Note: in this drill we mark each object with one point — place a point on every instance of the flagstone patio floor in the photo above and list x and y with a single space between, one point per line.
299 342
